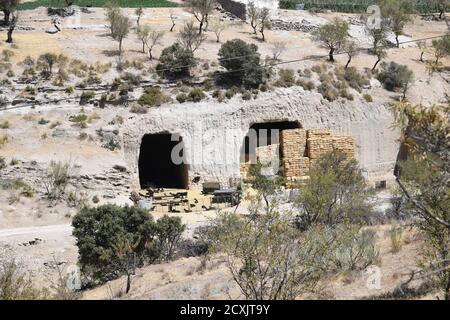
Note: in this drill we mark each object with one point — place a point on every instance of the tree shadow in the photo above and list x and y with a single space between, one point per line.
111 53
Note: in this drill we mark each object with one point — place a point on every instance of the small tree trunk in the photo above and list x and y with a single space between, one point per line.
150 55
200 28
7 14
331 55
206 23
254 27
128 283
348 62
421 56
441 13
396 40
143 46
120 47
376 63
263 36
9 34
173 26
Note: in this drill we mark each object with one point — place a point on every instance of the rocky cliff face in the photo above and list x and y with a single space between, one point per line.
213 133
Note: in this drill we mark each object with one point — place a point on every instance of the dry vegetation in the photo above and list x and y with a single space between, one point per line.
65 105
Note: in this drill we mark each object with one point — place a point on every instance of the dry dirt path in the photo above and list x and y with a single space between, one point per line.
65 228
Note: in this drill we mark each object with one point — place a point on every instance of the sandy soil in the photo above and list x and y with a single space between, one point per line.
29 141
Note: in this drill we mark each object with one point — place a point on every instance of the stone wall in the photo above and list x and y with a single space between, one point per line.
213 133
236 8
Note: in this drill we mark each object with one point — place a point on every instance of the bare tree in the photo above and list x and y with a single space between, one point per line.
278 48
12 26
139 12
351 49
218 26
153 40
119 25
190 38
8 6
253 16
264 22
201 9
172 19
143 34
379 43
422 45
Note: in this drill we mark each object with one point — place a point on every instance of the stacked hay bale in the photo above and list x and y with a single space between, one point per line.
319 143
344 144
293 146
299 150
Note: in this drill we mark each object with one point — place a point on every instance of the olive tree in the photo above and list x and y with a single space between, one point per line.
264 22
351 49
332 36
149 38
396 76
119 25
217 26
12 26
175 61
242 61
397 13
441 47
424 179
189 38
253 15
269 259
379 43
201 9
113 241
336 192
8 6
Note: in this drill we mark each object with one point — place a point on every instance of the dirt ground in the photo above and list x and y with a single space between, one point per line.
193 278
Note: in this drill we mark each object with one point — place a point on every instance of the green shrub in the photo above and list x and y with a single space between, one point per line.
4 124
242 60
196 95
43 121
219 95
79 118
2 162
367 97
246 95
395 235
286 78
3 139
152 97
107 232
112 143
328 91
307 85
181 97
108 235
394 76
86 96
175 61
137 108
230 93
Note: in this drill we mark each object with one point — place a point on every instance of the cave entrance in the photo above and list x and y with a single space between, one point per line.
264 134
156 167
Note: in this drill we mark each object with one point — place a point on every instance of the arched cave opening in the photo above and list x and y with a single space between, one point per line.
264 134
156 167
